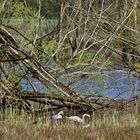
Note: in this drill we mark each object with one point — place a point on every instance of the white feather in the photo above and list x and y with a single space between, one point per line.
57 116
78 119
75 118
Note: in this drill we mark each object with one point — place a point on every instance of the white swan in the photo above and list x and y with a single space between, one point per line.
57 116
78 119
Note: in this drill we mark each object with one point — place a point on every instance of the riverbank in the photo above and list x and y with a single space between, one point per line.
109 126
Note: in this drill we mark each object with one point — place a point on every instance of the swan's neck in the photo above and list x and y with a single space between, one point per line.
59 115
83 117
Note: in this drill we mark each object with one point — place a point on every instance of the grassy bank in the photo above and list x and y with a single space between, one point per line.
109 126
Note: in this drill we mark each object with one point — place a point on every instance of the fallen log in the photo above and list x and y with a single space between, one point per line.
62 101
68 97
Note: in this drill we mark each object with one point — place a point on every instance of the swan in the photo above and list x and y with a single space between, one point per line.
78 119
57 116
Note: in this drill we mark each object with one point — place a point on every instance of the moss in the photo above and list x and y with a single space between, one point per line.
137 66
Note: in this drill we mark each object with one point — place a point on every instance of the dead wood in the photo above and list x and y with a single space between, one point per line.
67 98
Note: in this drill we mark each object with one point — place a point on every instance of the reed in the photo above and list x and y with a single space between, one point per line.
109 126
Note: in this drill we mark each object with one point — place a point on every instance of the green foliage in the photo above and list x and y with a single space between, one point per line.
51 7
14 75
22 10
87 58
137 66
49 48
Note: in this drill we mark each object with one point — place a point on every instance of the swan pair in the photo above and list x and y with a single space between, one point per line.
60 115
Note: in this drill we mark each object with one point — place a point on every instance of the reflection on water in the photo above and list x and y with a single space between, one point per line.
113 84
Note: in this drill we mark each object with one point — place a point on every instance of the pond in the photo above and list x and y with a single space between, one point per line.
116 84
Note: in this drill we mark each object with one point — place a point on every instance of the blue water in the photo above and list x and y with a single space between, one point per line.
114 84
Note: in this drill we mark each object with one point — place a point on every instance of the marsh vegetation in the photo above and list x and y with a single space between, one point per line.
110 125
74 56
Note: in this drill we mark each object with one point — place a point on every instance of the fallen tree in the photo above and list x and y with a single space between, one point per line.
68 98
82 31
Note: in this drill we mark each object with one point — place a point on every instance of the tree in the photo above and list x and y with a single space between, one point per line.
92 30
